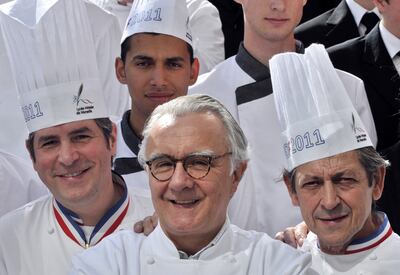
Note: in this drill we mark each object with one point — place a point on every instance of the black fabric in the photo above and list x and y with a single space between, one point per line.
330 28
124 166
368 58
369 20
231 16
314 8
389 201
130 137
262 86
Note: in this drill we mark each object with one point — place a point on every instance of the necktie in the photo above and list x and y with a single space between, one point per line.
369 20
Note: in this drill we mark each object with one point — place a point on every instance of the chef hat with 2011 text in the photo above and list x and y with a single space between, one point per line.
170 17
52 55
316 115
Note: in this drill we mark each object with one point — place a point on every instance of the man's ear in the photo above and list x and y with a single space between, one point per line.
120 70
380 4
113 139
292 193
379 182
237 175
31 156
194 71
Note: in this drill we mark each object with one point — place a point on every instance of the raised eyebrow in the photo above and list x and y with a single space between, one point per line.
83 130
44 139
311 178
158 155
175 59
342 174
141 57
202 153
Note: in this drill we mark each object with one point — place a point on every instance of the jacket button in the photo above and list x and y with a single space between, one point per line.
50 230
150 261
373 257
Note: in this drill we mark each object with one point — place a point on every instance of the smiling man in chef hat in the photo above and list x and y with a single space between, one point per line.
71 141
195 154
157 65
333 173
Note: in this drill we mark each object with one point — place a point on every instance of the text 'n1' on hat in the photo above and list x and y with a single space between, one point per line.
49 43
170 17
316 115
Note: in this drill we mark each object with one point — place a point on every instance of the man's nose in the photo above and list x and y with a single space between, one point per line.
68 154
180 179
330 198
158 77
278 5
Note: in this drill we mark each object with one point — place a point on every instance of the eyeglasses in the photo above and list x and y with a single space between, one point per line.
196 166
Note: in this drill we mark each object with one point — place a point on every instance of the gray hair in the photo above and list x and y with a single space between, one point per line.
369 158
198 103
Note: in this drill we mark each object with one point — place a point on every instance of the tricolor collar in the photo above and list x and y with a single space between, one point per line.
71 224
376 238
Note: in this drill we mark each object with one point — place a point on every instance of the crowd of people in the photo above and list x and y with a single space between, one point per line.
221 137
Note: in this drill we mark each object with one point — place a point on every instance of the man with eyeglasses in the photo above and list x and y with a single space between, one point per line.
192 179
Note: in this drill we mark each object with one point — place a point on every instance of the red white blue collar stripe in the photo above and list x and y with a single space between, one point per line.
71 224
373 240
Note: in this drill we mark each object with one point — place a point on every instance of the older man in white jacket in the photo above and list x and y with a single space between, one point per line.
195 154
243 84
336 181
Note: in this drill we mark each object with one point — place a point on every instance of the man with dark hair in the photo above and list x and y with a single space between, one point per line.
71 143
350 19
157 65
336 176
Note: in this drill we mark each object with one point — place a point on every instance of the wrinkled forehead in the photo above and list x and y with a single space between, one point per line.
186 134
340 163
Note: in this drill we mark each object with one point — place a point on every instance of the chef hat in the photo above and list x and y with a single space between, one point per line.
52 55
316 115
169 17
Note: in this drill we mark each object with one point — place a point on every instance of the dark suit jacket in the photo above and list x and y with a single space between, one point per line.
390 200
330 28
313 8
367 58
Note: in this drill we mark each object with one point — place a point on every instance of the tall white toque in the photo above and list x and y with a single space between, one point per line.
316 115
49 43
170 17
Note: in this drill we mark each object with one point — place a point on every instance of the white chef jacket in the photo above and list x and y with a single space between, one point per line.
19 183
244 86
106 36
205 25
41 237
373 255
233 251
125 161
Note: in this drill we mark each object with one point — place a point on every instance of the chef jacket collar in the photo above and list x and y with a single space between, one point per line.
254 68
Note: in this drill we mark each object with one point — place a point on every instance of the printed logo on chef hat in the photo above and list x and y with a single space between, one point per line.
52 53
170 17
315 112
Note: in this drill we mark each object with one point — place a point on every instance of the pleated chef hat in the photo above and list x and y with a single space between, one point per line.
49 43
316 115
170 17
